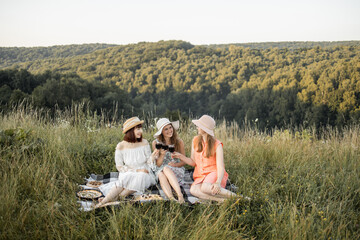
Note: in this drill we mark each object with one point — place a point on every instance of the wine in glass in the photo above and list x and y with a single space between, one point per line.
158 145
171 148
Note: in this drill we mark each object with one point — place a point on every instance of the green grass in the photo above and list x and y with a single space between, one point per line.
302 186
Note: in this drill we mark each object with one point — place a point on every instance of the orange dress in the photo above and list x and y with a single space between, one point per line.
206 167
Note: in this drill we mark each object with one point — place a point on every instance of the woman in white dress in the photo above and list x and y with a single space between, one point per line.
169 171
133 160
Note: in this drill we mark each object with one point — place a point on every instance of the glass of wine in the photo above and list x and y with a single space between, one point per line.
165 147
158 145
171 148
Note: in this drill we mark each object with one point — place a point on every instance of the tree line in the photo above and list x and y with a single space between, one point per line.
12 55
272 87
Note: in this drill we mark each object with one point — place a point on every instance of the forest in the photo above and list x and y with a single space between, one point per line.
272 85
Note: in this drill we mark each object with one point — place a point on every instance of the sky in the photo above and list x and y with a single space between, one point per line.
29 23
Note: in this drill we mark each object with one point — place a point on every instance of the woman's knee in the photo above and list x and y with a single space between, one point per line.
162 177
167 170
206 188
194 190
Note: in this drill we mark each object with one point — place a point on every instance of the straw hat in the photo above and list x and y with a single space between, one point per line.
130 123
162 122
206 123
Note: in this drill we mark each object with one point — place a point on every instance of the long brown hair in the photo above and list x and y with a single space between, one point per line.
130 135
174 140
210 142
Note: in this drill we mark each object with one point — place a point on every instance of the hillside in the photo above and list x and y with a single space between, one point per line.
289 45
270 87
301 187
12 55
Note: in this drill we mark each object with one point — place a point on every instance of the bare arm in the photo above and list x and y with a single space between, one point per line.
182 151
220 166
185 159
153 145
220 170
160 154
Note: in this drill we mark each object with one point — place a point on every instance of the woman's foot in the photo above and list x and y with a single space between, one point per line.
240 196
181 199
99 202
173 199
220 200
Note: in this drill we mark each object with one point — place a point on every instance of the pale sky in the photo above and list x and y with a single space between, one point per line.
60 22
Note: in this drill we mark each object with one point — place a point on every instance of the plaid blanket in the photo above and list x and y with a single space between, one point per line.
156 189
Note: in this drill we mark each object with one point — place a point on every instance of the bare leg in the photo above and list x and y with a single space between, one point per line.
164 183
111 196
174 183
126 192
196 191
224 193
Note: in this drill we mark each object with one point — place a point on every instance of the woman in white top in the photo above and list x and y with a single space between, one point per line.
133 161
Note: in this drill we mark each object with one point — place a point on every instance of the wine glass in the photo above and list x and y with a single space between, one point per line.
171 148
165 147
158 145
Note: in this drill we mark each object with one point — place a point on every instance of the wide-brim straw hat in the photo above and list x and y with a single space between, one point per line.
162 122
130 123
206 123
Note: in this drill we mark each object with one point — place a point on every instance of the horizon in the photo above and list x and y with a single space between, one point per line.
178 40
42 23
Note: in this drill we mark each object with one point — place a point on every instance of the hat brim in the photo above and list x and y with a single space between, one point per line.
175 125
200 125
133 125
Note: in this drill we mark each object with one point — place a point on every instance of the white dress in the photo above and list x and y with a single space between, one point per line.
128 160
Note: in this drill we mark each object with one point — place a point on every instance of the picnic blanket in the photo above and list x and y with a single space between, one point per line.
156 189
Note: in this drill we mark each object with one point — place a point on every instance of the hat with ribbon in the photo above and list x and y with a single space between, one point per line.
130 123
162 122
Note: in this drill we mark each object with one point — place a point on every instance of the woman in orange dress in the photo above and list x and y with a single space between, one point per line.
207 157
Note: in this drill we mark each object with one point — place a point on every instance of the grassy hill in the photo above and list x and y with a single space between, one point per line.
302 187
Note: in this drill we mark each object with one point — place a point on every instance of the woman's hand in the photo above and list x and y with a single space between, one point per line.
155 153
173 164
142 170
215 188
176 155
162 152
183 158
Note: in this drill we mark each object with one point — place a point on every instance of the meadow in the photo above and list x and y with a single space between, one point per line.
303 185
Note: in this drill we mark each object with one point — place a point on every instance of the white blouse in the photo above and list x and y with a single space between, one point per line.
131 159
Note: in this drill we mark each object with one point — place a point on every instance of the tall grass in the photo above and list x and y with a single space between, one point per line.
302 186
